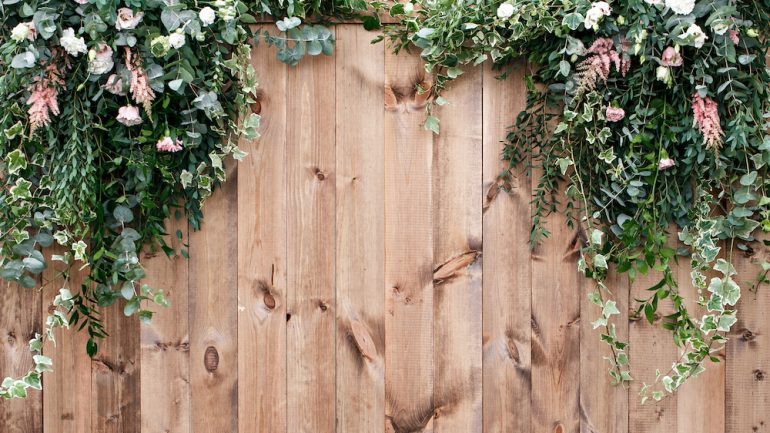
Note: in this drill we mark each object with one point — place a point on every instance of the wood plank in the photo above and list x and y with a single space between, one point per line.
408 249
556 293
165 341
115 375
20 320
213 296
310 156
603 407
457 237
701 400
360 232
67 401
507 275
262 257
748 351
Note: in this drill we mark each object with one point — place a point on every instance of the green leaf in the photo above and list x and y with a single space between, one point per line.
431 124
123 214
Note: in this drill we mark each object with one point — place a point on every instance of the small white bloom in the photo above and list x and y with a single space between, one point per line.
662 73
207 16
505 11
73 45
20 32
176 40
654 2
681 7
598 11
127 20
693 36
720 27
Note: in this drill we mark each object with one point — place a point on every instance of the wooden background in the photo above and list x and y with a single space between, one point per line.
360 275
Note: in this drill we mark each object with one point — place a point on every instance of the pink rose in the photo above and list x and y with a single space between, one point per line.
168 145
129 115
734 36
671 57
101 61
127 20
665 163
32 31
114 85
615 114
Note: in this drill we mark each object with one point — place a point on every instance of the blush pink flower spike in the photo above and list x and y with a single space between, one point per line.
706 119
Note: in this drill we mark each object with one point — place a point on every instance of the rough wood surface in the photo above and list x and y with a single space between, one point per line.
409 260
262 258
213 321
310 307
507 275
360 229
165 342
20 320
457 237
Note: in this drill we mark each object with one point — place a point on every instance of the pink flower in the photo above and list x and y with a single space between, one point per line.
44 93
168 145
101 61
127 20
665 163
615 114
734 36
706 118
671 57
139 86
129 115
114 85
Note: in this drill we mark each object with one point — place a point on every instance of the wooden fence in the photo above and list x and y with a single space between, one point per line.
361 275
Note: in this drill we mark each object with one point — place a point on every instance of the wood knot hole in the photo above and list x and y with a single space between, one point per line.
747 335
759 375
322 305
211 359
559 428
256 107
320 175
269 301
288 316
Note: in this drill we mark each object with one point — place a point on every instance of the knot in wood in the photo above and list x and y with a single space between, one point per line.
322 306
759 375
211 359
256 107
269 300
747 335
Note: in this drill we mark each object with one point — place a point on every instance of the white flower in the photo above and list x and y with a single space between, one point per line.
681 7
129 115
693 36
663 74
20 32
176 40
207 16
100 59
505 11
596 13
72 44
127 20
654 2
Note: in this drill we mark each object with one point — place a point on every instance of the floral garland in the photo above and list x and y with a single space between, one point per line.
116 115
655 112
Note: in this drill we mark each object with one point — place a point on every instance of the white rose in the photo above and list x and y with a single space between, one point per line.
176 40
596 13
681 7
73 45
505 11
654 2
101 60
207 16
693 36
127 20
663 74
20 32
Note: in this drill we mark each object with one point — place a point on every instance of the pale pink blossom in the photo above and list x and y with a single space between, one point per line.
114 85
43 98
101 60
706 119
665 163
615 114
168 145
734 36
596 67
129 115
127 19
671 57
139 85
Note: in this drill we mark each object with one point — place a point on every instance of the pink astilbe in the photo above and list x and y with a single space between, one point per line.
596 67
139 85
706 119
43 99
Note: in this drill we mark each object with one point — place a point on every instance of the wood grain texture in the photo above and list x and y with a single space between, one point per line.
556 291
604 408
115 375
457 237
507 307
310 168
213 304
67 402
20 320
747 396
165 341
262 257
409 258
360 249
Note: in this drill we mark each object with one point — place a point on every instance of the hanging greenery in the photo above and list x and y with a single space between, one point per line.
655 113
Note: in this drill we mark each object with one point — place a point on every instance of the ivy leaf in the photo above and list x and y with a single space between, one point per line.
600 261
431 124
